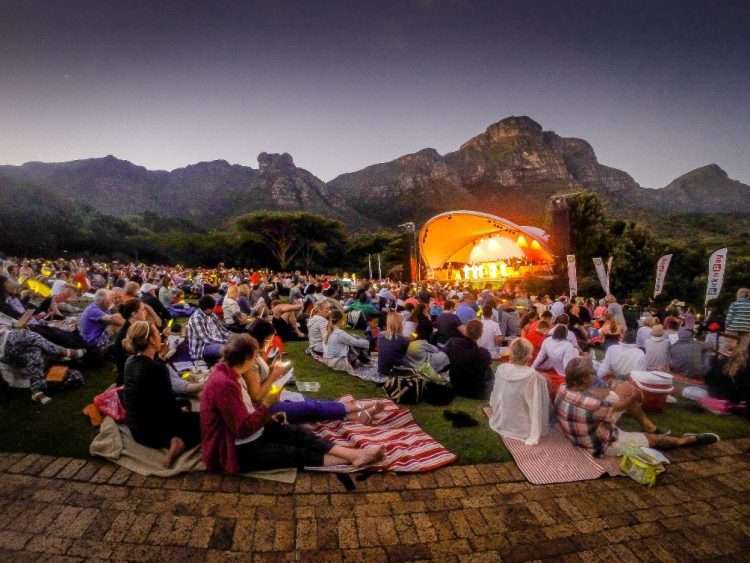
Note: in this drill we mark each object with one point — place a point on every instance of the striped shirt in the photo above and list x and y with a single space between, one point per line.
738 316
204 329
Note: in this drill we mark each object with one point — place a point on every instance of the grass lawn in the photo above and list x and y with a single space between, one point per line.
60 429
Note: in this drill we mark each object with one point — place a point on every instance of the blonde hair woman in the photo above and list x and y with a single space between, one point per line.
234 319
392 344
520 399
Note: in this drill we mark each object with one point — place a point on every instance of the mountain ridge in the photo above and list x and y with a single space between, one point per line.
511 169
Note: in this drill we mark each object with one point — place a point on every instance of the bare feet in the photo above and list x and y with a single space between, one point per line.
365 416
176 447
377 407
368 456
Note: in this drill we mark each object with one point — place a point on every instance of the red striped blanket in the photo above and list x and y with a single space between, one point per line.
408 448
556 460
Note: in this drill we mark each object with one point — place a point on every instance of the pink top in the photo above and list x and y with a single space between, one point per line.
225 418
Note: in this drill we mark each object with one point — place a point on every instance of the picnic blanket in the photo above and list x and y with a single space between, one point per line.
365 373
556 460
115 443
408 448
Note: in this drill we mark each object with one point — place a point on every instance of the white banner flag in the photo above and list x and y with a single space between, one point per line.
602 274
661 273
572 279
717 264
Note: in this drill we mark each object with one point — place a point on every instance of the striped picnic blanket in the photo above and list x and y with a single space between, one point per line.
408 448
556 460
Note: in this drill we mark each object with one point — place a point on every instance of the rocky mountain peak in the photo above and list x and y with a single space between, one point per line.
275 162
509 128
705 173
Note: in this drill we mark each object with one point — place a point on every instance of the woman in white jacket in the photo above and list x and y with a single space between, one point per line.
520 399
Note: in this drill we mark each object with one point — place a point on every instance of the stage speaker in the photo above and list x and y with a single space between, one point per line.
560 226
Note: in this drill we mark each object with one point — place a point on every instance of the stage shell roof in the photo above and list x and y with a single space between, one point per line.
451 237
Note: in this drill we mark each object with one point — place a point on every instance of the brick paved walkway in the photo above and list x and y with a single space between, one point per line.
69 509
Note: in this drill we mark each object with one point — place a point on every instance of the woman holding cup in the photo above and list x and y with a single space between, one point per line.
240 436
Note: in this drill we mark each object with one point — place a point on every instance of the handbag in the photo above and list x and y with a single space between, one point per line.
405 387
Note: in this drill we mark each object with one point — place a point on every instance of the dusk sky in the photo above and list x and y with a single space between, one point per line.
657 87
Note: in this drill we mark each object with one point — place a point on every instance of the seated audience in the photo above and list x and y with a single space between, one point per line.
131 311
556 351
153 416
467 308
419 325
620 359
243 300
392 344
657 350
729 377
260 381
372 331
509 321
520 399
234 319
131 291
30 354
341 350
611 332
492 336
644 332
148 297
588 415
205 333
536 333
688 356
97 323
469 364
238 436
165 291
285 321
316 327
448 324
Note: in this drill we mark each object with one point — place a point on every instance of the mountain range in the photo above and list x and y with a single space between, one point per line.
511 169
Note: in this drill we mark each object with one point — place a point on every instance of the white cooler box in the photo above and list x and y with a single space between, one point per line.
656 386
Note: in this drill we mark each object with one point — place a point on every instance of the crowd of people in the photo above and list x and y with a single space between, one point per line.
145 318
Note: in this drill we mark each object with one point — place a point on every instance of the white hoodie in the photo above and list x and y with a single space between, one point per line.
520 403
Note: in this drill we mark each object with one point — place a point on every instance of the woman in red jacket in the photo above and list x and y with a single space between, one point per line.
238 437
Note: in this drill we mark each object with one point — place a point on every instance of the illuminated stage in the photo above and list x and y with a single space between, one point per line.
470 246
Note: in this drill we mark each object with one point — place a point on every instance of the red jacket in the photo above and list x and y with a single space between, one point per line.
224 419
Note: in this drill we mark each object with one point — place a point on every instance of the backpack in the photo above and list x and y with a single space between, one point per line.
405 387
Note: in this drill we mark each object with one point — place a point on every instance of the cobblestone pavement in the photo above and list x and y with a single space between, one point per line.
68 509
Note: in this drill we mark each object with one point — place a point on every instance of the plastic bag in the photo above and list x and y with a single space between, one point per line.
641 466
109 404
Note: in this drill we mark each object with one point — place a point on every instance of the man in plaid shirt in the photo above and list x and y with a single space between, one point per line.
588 415
205 333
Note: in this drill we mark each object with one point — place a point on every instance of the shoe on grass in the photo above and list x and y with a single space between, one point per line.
704 438
40 398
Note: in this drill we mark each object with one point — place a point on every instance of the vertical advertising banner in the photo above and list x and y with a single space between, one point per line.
661 273
717 264
601 273
572 279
